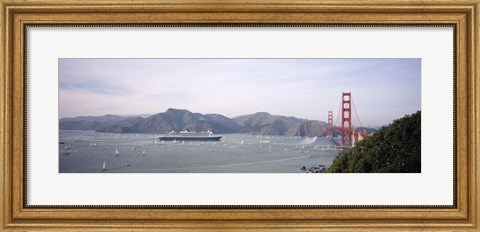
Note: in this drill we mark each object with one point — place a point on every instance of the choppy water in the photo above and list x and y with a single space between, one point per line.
86 151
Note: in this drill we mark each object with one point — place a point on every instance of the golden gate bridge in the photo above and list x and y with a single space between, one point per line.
348 135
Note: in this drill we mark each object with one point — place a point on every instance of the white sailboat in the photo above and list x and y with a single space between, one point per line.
104 167
144 153
117 153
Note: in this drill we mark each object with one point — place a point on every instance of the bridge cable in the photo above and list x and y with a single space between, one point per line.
353 104
338 115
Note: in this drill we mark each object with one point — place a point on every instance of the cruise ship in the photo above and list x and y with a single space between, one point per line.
187 135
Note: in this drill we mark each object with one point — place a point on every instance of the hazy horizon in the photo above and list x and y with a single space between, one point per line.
382 89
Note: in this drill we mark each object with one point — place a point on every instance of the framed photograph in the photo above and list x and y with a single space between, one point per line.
244 115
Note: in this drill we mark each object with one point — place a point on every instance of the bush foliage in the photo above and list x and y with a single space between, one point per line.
392 149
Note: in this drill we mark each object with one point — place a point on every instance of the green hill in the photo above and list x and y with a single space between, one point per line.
393 149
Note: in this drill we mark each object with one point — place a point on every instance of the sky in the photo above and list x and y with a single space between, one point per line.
382 89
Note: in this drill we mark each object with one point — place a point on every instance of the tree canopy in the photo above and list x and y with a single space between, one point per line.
392 149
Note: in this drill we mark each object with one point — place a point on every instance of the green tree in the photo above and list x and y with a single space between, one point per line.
392 149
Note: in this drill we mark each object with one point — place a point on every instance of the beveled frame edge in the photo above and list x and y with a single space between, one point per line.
192 25
15 14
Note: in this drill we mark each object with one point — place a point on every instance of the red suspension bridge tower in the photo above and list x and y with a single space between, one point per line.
330 125
348 134
346 119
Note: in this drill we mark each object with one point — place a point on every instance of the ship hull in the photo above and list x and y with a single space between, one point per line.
190 138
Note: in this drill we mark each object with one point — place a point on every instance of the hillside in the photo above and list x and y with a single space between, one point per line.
310 128
265 123
393 149
121 126
177 120
89 122
180 119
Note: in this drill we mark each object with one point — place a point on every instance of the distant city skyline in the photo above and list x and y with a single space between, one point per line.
382 89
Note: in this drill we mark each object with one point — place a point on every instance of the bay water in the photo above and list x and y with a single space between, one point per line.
88 151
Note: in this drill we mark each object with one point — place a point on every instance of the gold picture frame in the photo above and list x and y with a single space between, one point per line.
17 14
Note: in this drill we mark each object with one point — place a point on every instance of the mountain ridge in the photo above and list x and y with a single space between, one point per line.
180 119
